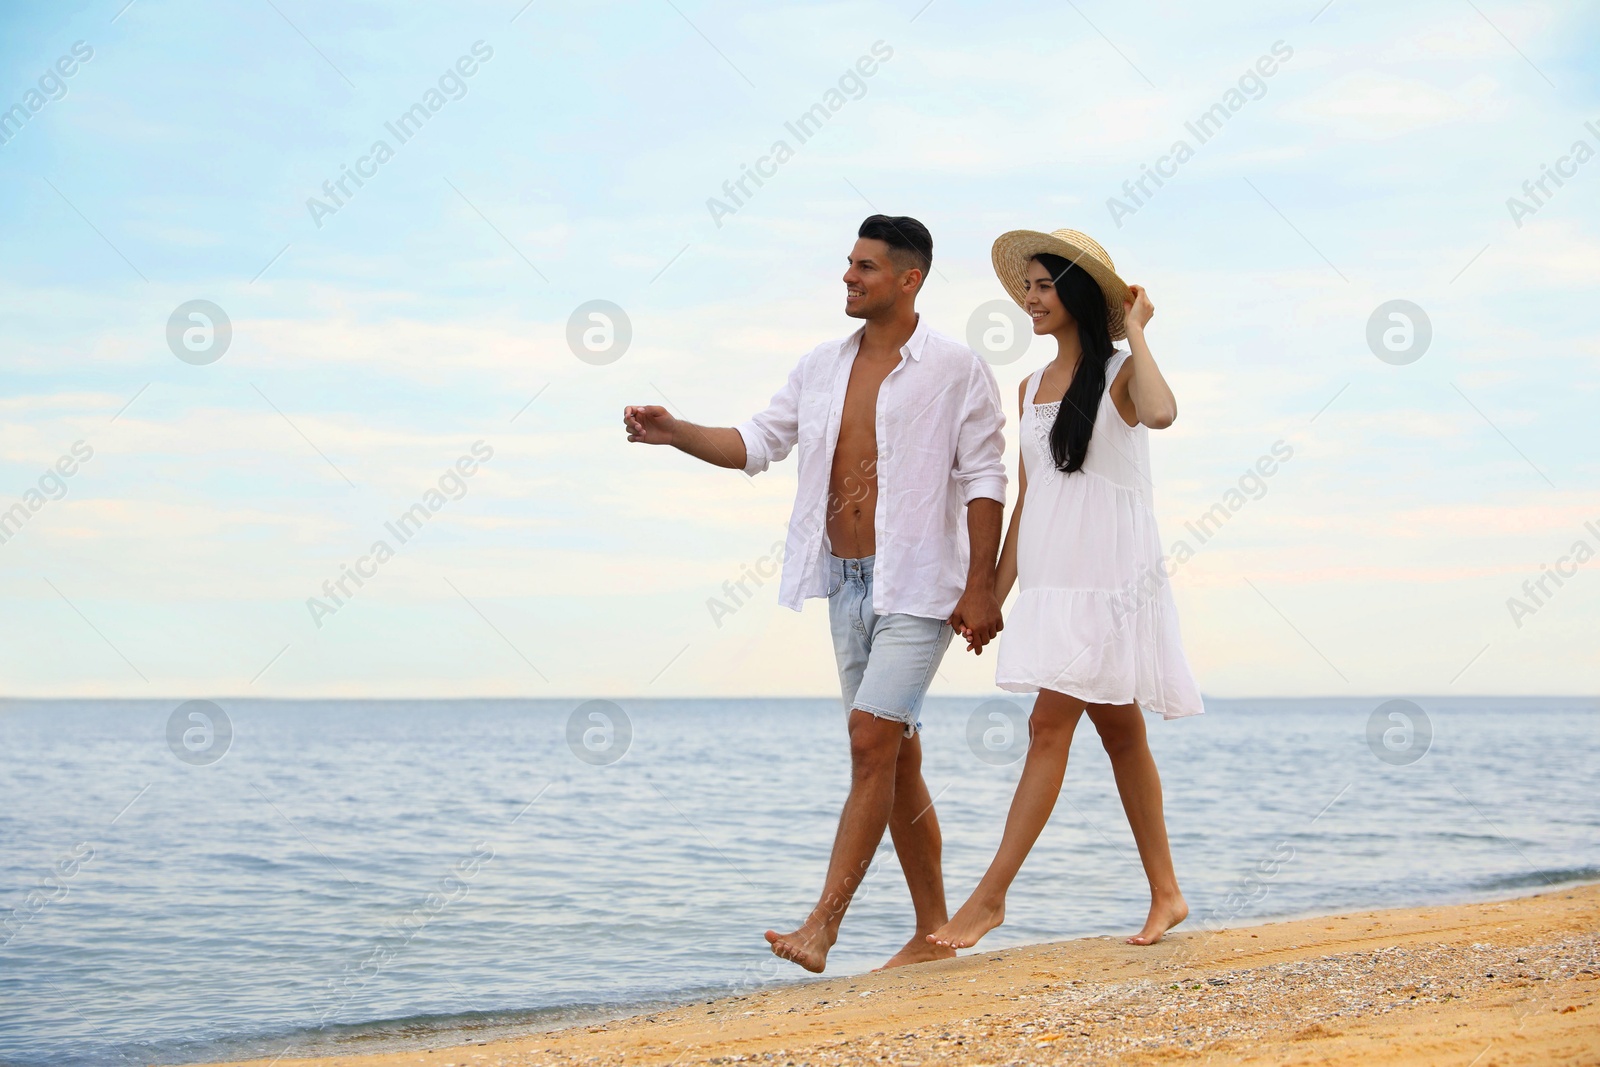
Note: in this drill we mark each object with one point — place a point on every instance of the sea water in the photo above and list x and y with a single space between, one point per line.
341 876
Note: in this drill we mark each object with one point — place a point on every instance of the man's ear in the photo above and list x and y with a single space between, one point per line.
911 280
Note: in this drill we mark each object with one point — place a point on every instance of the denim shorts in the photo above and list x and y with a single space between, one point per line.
886 662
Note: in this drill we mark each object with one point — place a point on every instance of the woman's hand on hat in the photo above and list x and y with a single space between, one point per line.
1137 310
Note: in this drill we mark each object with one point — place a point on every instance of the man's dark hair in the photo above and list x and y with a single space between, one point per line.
910 243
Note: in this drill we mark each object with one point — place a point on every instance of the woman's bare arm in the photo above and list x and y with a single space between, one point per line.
1143 396
1006 571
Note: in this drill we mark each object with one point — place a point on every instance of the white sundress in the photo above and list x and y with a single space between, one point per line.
1094 616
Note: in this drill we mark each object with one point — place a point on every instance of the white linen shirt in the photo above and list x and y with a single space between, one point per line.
940 447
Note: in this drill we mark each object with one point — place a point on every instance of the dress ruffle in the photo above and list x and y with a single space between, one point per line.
1105 648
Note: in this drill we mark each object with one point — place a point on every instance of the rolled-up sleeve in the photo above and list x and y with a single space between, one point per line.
980 469
769 436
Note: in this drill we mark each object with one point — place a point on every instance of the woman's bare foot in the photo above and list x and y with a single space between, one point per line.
918 950
807 946
1164 915
975 919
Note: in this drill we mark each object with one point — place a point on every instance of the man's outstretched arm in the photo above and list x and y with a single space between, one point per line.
721 446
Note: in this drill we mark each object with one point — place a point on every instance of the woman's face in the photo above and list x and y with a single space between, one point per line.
1042 303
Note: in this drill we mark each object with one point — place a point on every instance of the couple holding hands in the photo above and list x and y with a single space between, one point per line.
899 429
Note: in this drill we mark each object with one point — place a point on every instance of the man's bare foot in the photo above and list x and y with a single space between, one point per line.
918 950
807 946
1164 915
975 919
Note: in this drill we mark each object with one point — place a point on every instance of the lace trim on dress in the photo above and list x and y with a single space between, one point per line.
1044 420
1043 416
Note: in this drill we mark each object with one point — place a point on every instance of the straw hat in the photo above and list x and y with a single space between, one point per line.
1013 250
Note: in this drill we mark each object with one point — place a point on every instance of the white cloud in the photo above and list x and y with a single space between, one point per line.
1375 105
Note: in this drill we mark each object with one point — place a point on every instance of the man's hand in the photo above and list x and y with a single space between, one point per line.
977 618
649 423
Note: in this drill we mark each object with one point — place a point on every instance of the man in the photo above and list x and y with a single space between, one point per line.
898 428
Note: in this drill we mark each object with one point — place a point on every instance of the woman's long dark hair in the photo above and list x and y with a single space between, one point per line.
1084 300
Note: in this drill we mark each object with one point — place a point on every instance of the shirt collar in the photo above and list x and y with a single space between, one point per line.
913 346
918 339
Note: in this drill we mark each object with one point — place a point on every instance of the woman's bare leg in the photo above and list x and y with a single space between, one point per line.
1121 730
1050 728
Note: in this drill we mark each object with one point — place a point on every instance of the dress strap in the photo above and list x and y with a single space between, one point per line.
1033 386
1114 365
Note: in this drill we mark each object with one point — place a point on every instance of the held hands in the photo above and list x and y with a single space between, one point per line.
1137 310
649 423
977 619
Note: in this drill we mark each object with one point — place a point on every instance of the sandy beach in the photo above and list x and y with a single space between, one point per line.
1485 985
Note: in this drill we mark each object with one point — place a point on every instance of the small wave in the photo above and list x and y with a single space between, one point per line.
429 1031
1549 877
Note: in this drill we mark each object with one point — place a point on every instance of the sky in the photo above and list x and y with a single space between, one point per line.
380 335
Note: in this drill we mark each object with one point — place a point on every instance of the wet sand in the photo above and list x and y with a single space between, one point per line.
1479 985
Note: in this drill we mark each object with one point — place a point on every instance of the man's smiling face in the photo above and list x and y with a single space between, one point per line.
872 283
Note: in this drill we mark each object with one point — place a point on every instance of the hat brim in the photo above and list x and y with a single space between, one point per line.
1013 251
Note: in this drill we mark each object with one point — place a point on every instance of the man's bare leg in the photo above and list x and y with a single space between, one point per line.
915 830
874 753
1139 784
1055 717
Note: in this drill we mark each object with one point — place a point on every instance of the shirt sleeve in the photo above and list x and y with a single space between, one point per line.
980 469
770 435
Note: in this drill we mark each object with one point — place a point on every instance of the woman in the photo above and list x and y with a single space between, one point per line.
1094 628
